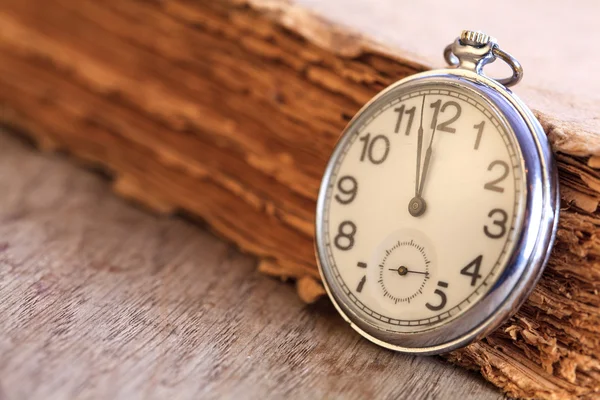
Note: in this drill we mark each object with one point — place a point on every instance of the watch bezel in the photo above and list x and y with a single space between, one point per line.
532 247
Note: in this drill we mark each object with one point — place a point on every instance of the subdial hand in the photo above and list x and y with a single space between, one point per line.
417 205
402 270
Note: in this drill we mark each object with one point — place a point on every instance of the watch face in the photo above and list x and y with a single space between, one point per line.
421 207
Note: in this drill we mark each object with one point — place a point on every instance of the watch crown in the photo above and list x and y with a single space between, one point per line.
475 38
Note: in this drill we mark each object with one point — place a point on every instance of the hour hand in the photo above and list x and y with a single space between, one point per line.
402 270
417 206
418 168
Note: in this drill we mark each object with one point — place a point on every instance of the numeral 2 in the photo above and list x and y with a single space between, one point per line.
493 185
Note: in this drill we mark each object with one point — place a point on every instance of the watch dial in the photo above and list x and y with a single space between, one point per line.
422 207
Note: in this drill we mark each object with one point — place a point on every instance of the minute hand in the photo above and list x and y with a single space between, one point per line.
419 149
426 162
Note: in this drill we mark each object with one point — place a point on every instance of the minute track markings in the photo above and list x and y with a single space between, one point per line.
508 240
383 267
451 229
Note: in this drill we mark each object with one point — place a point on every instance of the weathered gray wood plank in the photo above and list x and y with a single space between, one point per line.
99 299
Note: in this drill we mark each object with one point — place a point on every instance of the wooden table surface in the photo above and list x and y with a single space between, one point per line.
99 299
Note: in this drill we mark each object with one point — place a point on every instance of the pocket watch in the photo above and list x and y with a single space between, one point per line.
439 205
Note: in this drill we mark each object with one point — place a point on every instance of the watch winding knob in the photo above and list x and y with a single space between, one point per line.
475 38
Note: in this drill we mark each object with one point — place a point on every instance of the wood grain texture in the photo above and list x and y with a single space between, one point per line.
227 111
544 35
101 300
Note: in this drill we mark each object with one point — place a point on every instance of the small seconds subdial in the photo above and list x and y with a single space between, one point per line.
403 271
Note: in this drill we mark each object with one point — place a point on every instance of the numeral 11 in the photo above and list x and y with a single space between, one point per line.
411 115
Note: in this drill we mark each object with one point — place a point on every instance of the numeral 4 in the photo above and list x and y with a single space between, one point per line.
472 270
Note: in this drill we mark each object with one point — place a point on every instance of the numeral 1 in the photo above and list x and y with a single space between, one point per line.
479 128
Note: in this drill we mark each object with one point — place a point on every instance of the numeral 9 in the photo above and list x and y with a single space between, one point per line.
348 187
